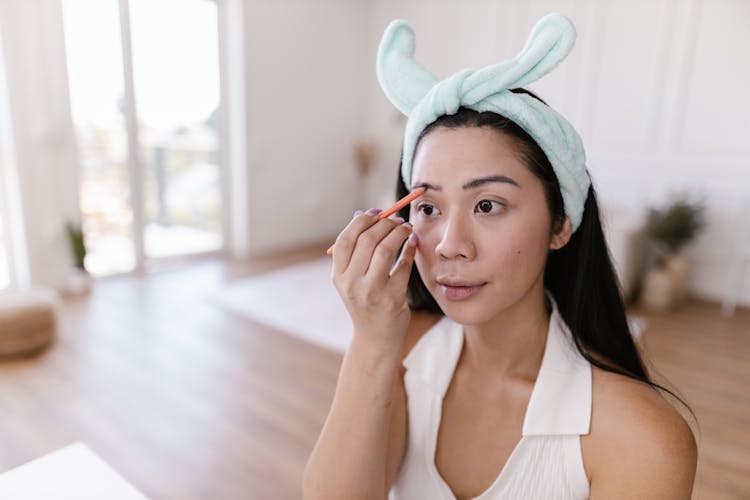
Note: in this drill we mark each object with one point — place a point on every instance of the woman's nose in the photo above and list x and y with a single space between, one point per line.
455 241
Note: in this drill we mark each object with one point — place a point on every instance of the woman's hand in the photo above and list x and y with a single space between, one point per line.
371 287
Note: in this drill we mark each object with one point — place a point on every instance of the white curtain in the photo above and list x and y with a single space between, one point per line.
44 171
12 247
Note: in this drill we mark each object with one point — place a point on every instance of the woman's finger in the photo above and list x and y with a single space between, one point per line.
366 245
399 277
385 253
347 239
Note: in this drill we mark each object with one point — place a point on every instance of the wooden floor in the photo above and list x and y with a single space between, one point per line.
188 401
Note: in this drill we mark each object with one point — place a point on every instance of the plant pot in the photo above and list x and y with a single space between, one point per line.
79 282
677 266
665 285
656 294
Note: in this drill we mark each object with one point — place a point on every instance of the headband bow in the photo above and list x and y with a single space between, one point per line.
420 96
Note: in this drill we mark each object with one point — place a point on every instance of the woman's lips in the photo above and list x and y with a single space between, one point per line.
459 292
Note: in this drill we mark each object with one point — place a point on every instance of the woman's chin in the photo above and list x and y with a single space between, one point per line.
465 313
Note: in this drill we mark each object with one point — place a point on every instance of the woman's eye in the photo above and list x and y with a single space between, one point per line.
487 206
426 209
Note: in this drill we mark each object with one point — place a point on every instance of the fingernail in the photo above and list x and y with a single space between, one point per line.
398 220
373 211
358 212
413 239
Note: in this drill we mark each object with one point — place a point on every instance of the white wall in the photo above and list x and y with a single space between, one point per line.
657 89
306 105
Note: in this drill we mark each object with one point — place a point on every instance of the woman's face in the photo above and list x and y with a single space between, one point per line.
483 223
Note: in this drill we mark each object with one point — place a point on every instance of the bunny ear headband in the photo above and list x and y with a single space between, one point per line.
420 96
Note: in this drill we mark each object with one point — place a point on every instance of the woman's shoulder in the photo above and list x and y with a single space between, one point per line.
420 323
622 405
637 440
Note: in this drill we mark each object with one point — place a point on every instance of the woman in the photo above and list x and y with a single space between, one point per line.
501 364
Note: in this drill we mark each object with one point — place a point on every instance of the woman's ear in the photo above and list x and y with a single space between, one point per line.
561 238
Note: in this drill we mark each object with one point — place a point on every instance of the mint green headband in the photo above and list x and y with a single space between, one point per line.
420 96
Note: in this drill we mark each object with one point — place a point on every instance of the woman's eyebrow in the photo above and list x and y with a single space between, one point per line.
486 180
472 184
426 185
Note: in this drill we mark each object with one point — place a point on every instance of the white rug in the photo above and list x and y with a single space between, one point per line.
300 300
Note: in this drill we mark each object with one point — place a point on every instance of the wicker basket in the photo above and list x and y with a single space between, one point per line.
27 322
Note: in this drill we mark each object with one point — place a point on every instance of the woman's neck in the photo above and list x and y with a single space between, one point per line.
511 344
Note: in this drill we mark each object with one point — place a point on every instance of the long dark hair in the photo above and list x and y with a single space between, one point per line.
580 275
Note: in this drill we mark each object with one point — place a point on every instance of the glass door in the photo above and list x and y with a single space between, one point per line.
176 81
144 85
97 99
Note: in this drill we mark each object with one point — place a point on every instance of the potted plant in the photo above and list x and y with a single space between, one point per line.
670 229
79 281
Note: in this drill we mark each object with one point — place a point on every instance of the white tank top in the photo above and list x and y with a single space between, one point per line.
546 464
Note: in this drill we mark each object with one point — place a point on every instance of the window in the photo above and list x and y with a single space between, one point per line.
144 85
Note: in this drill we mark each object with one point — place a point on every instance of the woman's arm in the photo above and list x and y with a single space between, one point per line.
349 459
351 455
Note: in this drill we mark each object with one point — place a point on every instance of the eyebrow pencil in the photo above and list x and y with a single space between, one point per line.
395 207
